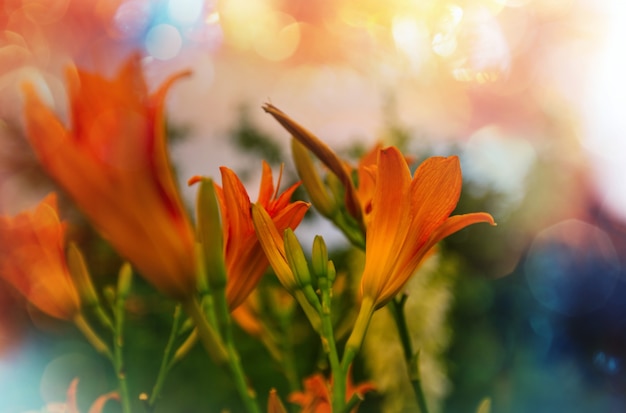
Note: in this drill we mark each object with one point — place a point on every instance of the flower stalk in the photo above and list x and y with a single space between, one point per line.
411 357
123 289
212 241
353 345
168 360
206 332
92 337
330 346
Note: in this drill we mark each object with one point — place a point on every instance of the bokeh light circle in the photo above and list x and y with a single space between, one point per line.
185 11
164 42
572 267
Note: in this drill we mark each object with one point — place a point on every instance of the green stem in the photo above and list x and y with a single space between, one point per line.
355 340
330 348
92 337
411 357
349 229
208 336
311 313
118 356
247 394
185 347
354 401
288 356
167 357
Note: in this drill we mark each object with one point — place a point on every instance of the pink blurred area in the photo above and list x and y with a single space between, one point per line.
506 80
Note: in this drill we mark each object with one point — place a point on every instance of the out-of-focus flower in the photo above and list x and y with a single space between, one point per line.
71 406
32 259
248 316
261 314
114 163
274 404
316 397
245 260
408 217
271 303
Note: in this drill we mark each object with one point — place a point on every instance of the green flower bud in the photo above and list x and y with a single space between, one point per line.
319 258
210 234
312 181
124 281
296 259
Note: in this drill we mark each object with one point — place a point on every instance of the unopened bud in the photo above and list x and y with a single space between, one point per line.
331 273
274 404
210 234
80 276
319 258
124 281
312 181
273 246
296 259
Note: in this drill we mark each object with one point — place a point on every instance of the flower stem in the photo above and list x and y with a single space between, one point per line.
208 336
247 394
118 345
358 333
354 401
411 357
287 358
166 362
330 347
92 337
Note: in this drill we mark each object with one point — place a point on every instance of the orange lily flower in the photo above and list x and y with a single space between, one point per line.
32 259
316 397
408 217
113 161
366 173
245 260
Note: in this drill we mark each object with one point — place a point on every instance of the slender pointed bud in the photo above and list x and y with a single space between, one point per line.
319 257
335 186
80 275
203 282
331 273
124 281
323 153
311 180
296 259
273 246
210 234
109 295
274 404
484 406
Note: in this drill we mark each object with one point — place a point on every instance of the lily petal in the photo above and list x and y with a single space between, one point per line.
389 220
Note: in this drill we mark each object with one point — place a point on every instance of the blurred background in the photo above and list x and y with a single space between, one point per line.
530 94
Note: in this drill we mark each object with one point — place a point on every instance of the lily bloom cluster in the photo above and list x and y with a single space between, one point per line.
112 161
